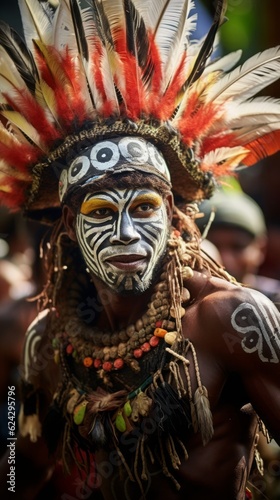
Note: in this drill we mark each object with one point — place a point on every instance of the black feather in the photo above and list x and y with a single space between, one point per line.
207 46
137 39
79 29
97 433
102 24
20 54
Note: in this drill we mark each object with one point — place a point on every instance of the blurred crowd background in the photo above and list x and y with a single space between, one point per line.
253 26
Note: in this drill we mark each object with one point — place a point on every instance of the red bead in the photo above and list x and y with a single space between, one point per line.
118 363
107 366
145 347
137 353
96 363
154 341
69 349
159 324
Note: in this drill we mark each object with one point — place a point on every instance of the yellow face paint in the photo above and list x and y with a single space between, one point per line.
95 204
151 199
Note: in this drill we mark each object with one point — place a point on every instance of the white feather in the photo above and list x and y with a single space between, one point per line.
24 126
11 134
37 22
258 110
171 36
248 79
153 12
91 34
224 63
63 33
9 72
222 155
252 132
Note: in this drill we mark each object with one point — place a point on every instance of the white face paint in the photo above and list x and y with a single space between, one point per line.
122 235
125 153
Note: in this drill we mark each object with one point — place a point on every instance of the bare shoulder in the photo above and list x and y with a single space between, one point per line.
238 319
220 295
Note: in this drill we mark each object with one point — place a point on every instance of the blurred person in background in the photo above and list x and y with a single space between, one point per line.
238 231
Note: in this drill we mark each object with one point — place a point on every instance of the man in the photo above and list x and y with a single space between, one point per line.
239 233
131 370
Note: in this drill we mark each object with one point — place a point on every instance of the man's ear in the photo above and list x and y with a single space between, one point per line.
69 222
169 206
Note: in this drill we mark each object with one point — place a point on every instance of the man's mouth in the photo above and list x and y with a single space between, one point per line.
127 262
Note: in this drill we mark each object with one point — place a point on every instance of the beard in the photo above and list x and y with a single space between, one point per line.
131 286
141 286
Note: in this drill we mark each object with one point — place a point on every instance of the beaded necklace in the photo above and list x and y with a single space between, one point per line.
105 351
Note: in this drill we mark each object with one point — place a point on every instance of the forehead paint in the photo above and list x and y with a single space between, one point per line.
124 245
117 154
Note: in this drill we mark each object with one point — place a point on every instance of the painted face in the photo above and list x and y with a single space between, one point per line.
122 235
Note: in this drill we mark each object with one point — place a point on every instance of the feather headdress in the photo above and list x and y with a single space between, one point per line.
94 69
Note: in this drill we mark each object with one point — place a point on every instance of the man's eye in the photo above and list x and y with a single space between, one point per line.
99 213
144 209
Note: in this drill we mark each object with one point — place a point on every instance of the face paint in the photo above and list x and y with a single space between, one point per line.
121 153
122 235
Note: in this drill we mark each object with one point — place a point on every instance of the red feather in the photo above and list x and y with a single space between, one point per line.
197 120
21 156
210 143
262 147
60 84
77 100
28 107
168 103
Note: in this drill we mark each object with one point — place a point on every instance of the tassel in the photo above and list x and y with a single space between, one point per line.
204 415
171 413
194 417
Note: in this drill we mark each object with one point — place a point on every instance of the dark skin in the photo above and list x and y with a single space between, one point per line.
233 379
237 374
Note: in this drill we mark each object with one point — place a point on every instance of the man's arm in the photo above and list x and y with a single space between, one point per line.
29 462
250 327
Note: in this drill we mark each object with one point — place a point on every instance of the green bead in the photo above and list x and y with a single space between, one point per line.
120 423
55 343
79 413
127 409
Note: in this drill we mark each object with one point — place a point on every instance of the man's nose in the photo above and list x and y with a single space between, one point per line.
125 231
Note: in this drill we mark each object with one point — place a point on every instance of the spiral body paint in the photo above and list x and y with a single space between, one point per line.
122 235
259 327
